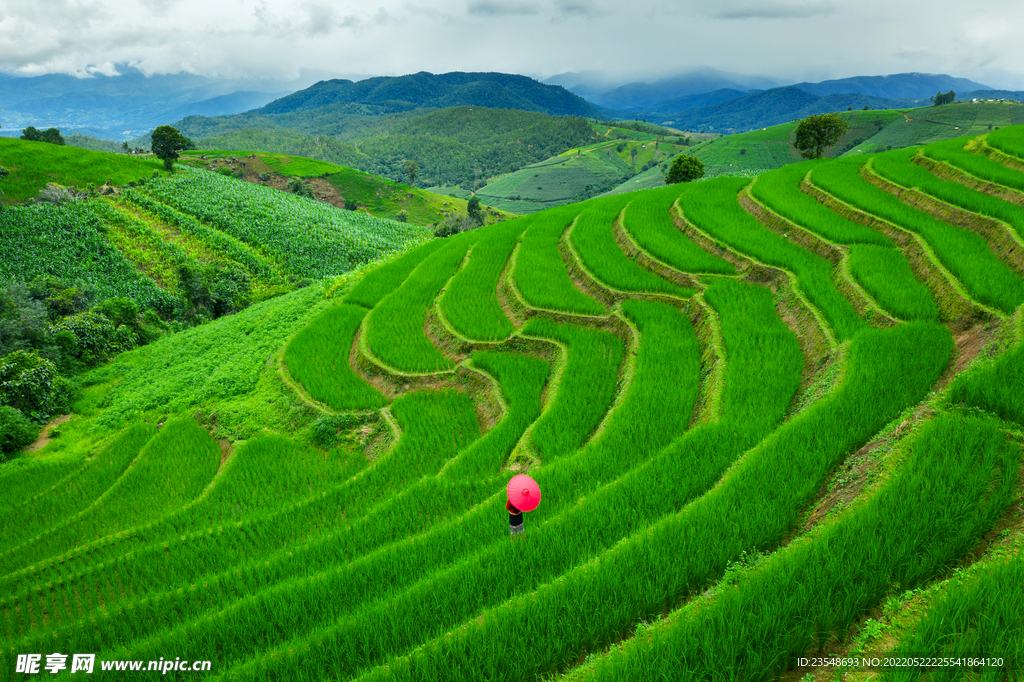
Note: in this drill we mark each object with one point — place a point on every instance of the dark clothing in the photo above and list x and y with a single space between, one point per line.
515 517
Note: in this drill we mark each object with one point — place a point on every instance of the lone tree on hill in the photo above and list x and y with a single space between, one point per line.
51 135
941 98
474 211
412 169
685 168
167 142
815 134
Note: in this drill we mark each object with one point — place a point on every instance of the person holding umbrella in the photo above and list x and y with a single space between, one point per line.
523 495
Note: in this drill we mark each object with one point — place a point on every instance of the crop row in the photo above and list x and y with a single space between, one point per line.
172 470
952 488
68 242
395 327
715 210
981 615
885 273
898 167
649 221
234 249
541 275
306 237
388 561
874 261
381 281
964 253
650 414
471 301
452 585
973 163
266 547
1008 140
318 358
753 508
35 514
593 236
588 385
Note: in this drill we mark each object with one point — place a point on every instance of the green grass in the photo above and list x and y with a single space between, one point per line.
171 470
981 615
1008 140
594 239
74 492
963 252
804 594
470 303
318 358
33 165
648 220
217 363
715 210
973 163
994 386
590 606
394 328
586 390
898 167
540 273
886 275
382 280
68 242
780 191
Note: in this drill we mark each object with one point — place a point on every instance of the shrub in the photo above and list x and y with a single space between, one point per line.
91 336
23 319
685 168
16 431
327 431
31 384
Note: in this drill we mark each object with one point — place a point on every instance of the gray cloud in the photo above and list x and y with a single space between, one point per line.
774 10
580 8
642 40
496 8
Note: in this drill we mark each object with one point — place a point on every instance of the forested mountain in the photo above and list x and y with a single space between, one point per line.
897 85
426 90
772 107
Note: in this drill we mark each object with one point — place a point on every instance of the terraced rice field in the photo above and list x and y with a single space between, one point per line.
777 426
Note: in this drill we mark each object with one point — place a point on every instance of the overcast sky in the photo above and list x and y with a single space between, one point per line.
790 39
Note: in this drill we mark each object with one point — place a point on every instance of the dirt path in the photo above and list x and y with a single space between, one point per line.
44 437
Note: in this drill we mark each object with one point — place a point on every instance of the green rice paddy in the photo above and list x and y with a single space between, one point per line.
314 487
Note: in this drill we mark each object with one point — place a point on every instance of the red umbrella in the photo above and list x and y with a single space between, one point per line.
523 493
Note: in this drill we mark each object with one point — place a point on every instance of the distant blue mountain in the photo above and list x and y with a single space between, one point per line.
898 85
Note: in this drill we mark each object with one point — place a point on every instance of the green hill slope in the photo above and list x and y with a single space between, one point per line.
335 184
32 165
769 417
453 146
870 131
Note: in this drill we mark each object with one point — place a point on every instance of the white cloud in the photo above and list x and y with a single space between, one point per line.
276 38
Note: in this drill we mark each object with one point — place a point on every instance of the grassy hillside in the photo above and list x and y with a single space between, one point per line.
771 419
453 146
32 165
334 184
579 173
870 131
154 228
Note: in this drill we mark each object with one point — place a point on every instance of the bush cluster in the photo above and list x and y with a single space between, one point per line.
16 431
